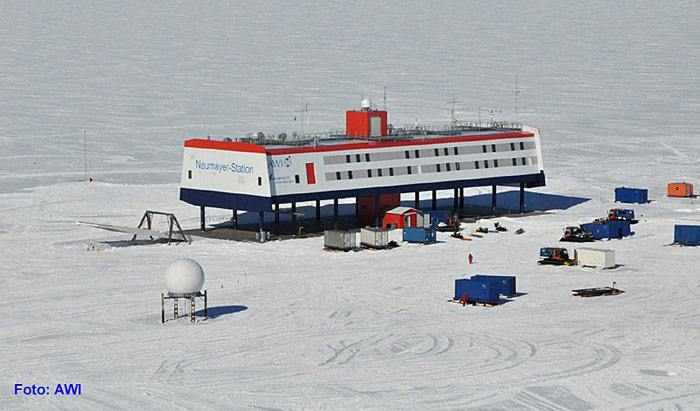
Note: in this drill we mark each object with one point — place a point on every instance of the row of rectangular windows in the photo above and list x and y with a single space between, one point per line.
429 168
430 152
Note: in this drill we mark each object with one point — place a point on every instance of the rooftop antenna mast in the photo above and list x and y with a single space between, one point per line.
85 154
452 111
517 91
304 109
385 98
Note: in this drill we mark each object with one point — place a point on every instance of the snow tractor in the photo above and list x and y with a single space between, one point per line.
576 235
499 227
622 214
554 256
450 223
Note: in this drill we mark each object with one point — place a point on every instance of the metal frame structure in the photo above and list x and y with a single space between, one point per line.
172 223
187 296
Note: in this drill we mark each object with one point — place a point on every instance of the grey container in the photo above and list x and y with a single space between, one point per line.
339 240
374 237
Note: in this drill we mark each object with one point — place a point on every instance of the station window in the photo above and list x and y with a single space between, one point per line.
189 174
447 166
437 167
447 151
369 173
347 159
495 163
391 171
259 181
483 148
522 145
357 158
409 168
493 148
476 165
408 155
486 163
296 178
417 154
366 156
379 172
457 167
515 162
524 161
337 174
437 152
512 146
455 151
350 174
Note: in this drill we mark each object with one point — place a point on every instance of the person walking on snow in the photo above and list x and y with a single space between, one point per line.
471 258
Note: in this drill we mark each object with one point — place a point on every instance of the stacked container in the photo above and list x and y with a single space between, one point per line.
608 229
504 284
374 237
339 240
476 291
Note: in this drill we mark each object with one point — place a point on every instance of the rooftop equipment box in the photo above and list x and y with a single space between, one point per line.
374 237
419 235
592 257
366 123
631 195
680 190
476 291
339 240
505 284
608 229
686 234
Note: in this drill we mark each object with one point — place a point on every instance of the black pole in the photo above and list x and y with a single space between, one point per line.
376 211
277 213
455 195
201 218
294 217
461 197
335 213
262 220
235 218
493 197
522 198
434 200
416 202
318 210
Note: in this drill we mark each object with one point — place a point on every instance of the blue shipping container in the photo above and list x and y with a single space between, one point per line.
419 235
608 229
476 291
505 283
631 195
686 234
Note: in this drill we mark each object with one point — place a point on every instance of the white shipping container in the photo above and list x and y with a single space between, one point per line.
339 240
592 257
374 237
396 235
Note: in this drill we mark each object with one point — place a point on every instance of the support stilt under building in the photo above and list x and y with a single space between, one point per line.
522 198
434 200
416 201
318 210
261 222
461 197
234 217
493 197
277 213
335 213
455 195
294 217
376 211
201 218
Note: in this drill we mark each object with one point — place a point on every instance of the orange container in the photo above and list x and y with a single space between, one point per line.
680 189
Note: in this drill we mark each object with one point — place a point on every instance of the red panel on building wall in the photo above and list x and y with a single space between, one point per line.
310 173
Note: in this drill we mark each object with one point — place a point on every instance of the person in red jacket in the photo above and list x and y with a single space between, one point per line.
463 300
471 258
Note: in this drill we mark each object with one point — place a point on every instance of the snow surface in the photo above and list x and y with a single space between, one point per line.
612 86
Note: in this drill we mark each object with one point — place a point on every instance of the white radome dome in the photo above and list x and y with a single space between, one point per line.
366 103
184 276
